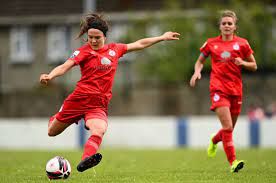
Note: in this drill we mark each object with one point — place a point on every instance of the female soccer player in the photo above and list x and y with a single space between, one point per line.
98 63
229 54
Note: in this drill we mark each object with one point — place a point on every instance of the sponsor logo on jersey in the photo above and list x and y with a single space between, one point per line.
225 55
236 46
106 64
112 53
105 61
75 54
216 97
215 47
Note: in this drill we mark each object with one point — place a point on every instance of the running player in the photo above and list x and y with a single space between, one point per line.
229 54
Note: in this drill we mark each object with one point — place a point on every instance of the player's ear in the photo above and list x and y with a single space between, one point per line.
236 27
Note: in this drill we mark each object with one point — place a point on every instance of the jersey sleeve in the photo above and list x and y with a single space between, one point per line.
78 56
247 50
205 50
121 49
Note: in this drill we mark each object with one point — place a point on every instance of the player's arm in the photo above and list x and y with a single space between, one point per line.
249 64
57 71
147 42
197 69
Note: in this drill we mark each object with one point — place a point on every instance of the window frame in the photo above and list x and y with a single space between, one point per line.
21 45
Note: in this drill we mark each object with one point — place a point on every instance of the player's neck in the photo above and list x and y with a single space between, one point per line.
227 37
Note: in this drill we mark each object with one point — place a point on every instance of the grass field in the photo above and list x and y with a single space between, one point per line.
143 166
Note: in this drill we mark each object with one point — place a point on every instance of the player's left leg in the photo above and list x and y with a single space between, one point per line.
237 165
90 157
224 116
235 111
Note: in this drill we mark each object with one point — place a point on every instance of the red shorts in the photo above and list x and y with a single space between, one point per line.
76 107
220 99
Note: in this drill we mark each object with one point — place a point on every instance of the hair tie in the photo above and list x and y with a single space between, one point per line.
97 25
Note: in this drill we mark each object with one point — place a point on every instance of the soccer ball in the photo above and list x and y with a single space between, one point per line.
58 168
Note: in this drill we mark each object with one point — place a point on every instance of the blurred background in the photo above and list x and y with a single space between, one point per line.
151 93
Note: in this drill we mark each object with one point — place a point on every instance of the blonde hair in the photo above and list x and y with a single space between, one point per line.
229 13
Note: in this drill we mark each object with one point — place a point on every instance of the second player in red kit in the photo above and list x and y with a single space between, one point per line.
225 79
229 55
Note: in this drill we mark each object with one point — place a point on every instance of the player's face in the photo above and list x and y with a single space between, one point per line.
227 26
95 38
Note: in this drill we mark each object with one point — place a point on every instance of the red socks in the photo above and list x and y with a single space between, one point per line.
91 146
218 137
228 145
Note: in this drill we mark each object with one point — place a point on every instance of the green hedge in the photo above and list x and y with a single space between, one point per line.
173 62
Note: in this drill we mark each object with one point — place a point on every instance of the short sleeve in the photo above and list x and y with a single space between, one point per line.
121 49
205 50
78 56
247 50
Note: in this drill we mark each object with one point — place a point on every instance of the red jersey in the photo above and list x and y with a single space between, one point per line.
98 68
225 74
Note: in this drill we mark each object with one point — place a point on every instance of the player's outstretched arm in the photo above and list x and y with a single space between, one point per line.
57 71
147 42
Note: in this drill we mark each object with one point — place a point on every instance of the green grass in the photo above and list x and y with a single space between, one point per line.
143 166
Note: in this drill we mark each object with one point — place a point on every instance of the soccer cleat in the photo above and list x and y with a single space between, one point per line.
237 165
212 148
89 162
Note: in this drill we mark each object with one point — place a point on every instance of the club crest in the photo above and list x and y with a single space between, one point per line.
216 97
236 46
112 53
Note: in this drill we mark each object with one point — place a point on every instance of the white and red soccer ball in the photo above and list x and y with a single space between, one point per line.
58 168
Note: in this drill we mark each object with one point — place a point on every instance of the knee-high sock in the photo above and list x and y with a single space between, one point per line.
91 146
218 137
228 145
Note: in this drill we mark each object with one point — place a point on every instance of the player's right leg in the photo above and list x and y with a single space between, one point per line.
214 140
55 127
212 148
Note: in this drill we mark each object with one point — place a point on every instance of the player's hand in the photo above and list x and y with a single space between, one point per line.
195 77
44 78
170 36
239 61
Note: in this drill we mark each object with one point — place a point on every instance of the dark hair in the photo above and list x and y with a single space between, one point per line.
92 20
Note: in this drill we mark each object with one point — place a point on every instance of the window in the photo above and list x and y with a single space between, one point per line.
117 32
58 43
21 44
